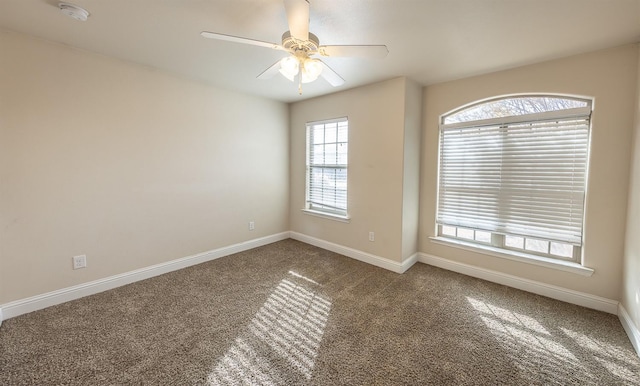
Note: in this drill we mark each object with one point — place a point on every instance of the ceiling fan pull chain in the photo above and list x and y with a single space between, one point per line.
300 83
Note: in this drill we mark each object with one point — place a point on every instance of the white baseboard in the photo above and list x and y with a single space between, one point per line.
632 331
356 254
536 287
409 262
38 302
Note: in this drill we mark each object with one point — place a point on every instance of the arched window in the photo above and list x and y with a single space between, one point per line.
513 174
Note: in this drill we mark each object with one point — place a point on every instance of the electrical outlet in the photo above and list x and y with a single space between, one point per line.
372 236
79 261
252 225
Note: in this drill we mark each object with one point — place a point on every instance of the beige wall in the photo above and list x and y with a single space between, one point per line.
608 76
375 176
411 170
128 165
631 274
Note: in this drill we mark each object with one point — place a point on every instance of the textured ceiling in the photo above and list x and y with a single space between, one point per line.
429 41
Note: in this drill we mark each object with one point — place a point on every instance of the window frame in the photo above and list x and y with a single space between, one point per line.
318 210
497 245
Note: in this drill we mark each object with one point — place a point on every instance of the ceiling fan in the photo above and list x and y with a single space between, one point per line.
302 45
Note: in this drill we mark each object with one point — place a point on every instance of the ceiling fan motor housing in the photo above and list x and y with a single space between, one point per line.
294 45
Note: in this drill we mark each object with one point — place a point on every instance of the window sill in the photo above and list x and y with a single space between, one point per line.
328 216
515 256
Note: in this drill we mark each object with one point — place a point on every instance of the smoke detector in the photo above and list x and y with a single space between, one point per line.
74 11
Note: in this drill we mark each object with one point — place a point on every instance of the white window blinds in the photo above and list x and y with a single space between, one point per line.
327 150
514 176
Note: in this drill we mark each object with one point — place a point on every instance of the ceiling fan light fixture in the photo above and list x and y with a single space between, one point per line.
311 69
289 67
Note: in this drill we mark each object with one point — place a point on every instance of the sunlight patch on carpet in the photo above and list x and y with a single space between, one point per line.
285 333
529 343
616 360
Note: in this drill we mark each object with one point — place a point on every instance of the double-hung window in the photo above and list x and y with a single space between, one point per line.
512 175
327 159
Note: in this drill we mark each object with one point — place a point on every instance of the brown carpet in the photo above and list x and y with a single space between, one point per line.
290 313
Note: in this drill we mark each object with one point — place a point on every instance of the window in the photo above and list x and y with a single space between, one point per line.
513 173
327 150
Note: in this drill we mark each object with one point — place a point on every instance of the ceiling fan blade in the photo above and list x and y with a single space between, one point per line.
237 39
331 76
373 52
270 72
298 18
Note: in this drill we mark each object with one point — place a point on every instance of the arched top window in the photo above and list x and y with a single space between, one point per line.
512 175
518 106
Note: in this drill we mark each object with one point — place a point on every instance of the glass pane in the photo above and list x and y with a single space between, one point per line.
484 237
340 179
330 133
318 155
318 134
537 245
316 178
330 154
513 107
448 230
514 242
561 249
343 132
465 233
342 154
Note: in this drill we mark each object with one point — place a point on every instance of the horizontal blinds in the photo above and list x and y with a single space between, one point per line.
327 166
524 178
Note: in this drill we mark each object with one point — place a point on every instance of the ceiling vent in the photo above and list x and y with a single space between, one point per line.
74 11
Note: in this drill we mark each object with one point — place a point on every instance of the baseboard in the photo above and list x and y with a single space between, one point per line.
408 263
632 331
548 290
356 254
38 302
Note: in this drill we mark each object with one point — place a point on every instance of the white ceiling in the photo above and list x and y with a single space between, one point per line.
429 41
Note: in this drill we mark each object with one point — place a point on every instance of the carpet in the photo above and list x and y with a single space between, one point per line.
292 314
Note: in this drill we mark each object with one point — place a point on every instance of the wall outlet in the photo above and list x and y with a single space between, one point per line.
372 236
252 225
79 261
